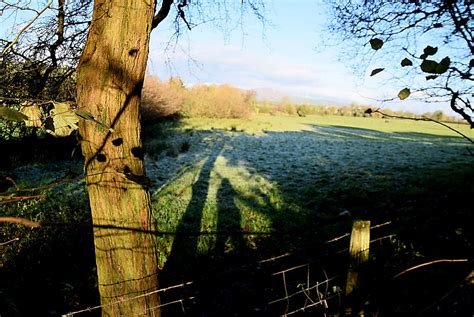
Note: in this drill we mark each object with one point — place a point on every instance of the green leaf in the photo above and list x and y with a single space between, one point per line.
429 66
464 21
443 65
423 56
88 116
430 50
64 119
376 43
376 71
406 62
430 77
433 67
404 93
85 115
12 115
471 63
445 61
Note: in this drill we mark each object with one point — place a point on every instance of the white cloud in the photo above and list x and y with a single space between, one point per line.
220 64
231 64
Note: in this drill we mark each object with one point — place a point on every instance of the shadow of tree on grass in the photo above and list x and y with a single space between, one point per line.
423 189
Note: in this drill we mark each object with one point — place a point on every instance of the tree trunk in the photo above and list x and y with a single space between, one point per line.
109 82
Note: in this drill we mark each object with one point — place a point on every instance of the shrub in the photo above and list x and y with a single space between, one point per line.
263 107
162 99
172 99
223 101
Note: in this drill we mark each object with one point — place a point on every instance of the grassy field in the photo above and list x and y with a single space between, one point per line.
264 122
274 168
290 183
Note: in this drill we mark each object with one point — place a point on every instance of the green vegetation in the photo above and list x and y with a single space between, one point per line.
297 181
171 99
261 123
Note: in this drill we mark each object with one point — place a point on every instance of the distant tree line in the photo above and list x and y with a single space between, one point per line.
432 41
173 99
286 107
167 99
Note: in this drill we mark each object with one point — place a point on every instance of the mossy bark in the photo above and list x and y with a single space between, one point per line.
109 81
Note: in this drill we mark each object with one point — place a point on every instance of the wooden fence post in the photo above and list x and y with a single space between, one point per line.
359 255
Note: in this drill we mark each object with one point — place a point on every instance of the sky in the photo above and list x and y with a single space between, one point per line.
288 55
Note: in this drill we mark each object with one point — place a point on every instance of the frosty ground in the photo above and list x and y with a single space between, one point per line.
233 193
299 169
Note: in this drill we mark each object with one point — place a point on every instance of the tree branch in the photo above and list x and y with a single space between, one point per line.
452 104
162 13
181 13
429 263
21 221
12 199
15 40
422 119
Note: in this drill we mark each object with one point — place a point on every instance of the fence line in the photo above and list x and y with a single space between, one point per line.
303 291
161 290
178 301
306 292
371 241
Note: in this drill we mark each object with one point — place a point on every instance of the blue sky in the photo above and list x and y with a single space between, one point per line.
281 55
288 54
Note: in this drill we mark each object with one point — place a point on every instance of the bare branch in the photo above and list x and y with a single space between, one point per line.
9 241
181 13
15 40
425 119
21 221
162 13
429 263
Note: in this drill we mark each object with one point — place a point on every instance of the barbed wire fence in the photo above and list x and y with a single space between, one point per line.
297 282
305 287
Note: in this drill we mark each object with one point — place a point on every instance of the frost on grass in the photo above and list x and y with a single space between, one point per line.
253 181
268 172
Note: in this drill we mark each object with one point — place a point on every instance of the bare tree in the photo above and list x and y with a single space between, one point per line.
428 39
39 61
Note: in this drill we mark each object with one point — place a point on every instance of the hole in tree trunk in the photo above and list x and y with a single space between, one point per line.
101 158
117 141
138 152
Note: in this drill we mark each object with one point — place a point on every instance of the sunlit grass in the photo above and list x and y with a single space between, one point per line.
282 173
261 122
223 194
276 172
